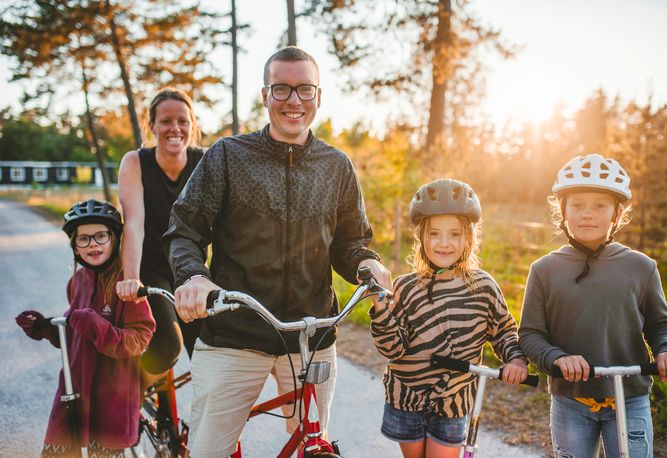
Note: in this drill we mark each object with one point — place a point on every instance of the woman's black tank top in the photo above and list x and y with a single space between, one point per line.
160 192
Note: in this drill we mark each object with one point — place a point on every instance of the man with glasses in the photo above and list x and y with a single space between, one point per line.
281 208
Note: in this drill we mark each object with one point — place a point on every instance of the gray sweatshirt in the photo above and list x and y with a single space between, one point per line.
609 317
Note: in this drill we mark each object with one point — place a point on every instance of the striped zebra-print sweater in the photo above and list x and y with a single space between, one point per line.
459 321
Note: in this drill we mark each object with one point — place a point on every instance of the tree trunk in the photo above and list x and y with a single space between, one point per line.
94 139
235 86
291 24
118 51
436 121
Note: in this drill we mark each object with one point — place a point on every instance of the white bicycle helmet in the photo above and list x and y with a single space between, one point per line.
595 172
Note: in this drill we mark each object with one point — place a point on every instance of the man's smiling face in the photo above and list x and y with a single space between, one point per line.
291 118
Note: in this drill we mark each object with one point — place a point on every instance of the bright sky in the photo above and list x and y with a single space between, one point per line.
570 48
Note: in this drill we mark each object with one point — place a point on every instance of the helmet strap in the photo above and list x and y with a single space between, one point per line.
435 270
590 253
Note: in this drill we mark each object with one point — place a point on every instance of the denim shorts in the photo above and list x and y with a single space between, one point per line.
403 426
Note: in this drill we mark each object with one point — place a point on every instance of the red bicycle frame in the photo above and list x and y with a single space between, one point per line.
308 431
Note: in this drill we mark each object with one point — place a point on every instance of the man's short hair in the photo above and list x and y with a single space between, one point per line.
289 54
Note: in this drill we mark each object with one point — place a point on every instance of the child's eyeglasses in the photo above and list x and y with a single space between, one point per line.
102 237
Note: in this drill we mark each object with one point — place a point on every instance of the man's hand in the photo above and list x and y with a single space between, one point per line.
190 298
381 275
127 289
661 361
515 371
574 368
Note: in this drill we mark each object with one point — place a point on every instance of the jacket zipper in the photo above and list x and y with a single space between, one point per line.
286 271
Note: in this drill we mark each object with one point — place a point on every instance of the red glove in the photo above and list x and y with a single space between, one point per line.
33 324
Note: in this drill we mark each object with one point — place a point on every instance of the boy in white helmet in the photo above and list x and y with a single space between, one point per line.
594 302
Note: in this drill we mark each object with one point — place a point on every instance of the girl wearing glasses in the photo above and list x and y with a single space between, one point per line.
108 338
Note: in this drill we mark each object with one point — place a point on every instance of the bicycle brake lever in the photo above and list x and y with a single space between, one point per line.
221 307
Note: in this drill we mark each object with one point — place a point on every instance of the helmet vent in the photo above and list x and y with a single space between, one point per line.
569 175
456 192
432 193
603 166
604 175
619 180
587 165
586 174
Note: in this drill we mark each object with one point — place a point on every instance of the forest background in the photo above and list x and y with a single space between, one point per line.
115 54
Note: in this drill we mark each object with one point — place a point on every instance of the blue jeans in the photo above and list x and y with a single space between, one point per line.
403 426
576 431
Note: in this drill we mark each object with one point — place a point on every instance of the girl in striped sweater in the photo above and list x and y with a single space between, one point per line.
448 307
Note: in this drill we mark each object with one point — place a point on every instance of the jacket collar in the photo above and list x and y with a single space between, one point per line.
283 149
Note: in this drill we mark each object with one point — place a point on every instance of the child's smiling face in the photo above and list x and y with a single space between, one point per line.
97 238
589 216
444 242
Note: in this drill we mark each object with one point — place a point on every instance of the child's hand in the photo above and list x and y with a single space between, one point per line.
661 361
26 320
127 289
515 371
574 368
380 273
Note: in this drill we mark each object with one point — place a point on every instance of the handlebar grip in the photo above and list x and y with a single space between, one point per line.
142 291
649 369
557 373
444 362
41 323
364 273
212 297
532 380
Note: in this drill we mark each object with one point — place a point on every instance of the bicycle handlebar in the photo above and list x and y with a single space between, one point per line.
458 365
217 302
641 369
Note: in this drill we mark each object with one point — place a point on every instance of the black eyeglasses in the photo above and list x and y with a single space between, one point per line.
102 237
282 92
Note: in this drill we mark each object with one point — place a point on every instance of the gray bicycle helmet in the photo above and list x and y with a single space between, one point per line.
445 196
92 212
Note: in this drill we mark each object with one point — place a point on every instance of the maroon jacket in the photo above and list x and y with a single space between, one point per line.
104 342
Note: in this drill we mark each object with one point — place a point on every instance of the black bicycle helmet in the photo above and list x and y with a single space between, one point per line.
445 196
92 212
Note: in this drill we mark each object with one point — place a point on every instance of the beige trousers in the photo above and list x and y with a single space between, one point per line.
226 383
